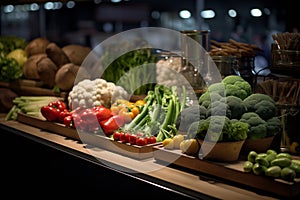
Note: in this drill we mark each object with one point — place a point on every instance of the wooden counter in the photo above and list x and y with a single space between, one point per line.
171 179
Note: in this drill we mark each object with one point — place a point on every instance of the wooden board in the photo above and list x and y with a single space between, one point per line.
133 151
228 171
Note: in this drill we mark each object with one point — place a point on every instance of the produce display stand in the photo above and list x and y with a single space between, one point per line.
134 151
182 183
232 171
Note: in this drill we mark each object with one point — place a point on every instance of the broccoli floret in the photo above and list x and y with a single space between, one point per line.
189 115
219 128
236 107
239 130
217 88
257 126
219 108
274 126
237 86
212 128
206 98
198 129
261 104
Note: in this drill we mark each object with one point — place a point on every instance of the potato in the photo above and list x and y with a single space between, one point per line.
56 54
30 67
65 76
36 46
76 53
47 69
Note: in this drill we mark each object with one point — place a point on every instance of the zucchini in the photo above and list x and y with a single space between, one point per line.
273 171
288 174
281 162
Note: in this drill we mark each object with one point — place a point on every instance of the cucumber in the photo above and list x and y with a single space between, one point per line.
248 166
273 171
251 156
296 161
262 161
262 155
296 168
258 169
281 162
270 157
287 174
271 151
284 155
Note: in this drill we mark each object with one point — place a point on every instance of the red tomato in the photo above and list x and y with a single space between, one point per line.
62 115
68 121
116 135
151 139
141 141
125 137
132 139
122 136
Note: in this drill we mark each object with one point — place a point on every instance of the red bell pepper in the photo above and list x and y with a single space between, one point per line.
53 110
102 113
50 113
112 124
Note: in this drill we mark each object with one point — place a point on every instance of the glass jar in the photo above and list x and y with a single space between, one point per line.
227 65
194 46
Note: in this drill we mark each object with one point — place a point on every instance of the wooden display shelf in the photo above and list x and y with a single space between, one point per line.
31 88
133 151
231 171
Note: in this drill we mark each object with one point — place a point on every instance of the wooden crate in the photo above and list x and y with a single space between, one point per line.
126 149
231 171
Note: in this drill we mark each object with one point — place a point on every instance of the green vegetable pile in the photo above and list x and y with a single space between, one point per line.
159 115
272 164
135 70
231 112
10 69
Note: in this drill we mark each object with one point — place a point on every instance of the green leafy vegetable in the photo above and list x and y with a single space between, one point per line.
134 70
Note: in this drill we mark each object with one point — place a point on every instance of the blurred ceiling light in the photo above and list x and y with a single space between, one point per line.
208 14
53 5
267 11
34 7
232 13
97 1
70 4
185 14
8 9
155 14
108 27
115 1
255 12
57 5
49 5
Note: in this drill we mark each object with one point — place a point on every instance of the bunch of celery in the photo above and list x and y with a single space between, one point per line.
30 105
